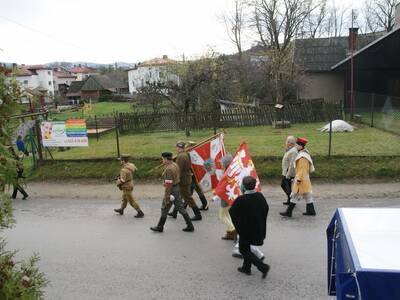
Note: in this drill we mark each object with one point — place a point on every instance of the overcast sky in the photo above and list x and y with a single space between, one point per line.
105 31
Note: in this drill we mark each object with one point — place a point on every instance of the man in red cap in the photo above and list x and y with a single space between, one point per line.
302 184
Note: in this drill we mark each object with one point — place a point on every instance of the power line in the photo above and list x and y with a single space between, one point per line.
49 36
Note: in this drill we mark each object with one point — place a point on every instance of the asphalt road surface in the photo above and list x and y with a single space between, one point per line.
89 252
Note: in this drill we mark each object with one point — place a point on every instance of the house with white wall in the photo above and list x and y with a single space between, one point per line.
36 77
152 71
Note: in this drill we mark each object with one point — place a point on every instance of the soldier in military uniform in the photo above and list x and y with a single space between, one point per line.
171 176
125 184
185 169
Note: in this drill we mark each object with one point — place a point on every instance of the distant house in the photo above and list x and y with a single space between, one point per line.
151 71
95 86
36 77
62 79
315 57
74 92
83 72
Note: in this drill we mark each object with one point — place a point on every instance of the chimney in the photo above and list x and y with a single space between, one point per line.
397 15
353 34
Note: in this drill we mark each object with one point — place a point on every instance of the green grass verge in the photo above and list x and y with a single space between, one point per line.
102 108
336 168
262 141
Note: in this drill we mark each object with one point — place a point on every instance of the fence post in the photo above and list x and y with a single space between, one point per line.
330 139
97 129
33 148
372 109
116 134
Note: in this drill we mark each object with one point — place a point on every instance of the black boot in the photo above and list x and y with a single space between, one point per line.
174 213
140 214
310 211
119 210
189 226
197 214
160 226
204 203
288 212
25 194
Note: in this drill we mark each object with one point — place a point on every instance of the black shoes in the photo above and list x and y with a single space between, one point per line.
24 198
119 210
241 270
288 212
140 214
188 229
156 229
310 211
197 214
265 272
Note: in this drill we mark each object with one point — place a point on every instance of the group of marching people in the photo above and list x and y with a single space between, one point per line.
246 218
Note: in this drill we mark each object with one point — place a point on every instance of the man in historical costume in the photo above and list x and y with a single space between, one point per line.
171 176
288 172
125 184
249 215
302 184
185 170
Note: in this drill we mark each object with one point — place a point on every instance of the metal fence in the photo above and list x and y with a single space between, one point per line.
375 110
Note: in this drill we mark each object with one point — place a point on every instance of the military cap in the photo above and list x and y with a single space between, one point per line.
180 144
167 155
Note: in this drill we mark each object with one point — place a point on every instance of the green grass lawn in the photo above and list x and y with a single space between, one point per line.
262 141
101 108
386 121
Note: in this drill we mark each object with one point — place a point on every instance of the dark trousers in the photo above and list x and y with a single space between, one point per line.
196 187
166 206
286 185
249 257
187 195
18 188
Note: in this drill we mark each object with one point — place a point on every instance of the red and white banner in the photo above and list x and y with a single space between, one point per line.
242 165
206 162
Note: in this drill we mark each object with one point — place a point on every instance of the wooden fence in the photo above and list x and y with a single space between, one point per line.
302 112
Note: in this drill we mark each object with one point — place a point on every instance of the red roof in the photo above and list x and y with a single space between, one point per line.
63 74
23 72
158 62
36 67
82 70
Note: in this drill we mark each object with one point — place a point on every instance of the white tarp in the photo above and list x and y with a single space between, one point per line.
338 126
375 233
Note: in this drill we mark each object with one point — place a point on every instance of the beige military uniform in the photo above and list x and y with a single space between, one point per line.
126 185
185 169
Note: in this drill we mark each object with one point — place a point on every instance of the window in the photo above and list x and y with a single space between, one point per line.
25 81
49 82
48 72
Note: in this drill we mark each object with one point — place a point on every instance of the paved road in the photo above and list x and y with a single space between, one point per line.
88 252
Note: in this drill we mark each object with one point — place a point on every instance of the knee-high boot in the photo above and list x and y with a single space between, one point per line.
160 225
197 214
189 225
289 210
310 211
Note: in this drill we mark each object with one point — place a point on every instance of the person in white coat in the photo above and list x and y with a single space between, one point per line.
288 171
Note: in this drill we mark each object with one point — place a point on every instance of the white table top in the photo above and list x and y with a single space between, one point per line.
375 233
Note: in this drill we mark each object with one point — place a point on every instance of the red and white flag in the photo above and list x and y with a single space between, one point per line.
206 162
242 165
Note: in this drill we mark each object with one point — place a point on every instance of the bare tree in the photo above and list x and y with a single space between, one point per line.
235 23
337 16
380 14
313 26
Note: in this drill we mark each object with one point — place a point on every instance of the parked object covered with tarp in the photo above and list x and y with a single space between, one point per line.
337 126
363 253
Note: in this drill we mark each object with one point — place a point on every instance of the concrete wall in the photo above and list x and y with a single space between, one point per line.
46 80
329 86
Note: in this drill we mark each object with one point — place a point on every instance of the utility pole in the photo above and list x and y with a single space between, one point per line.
352 67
